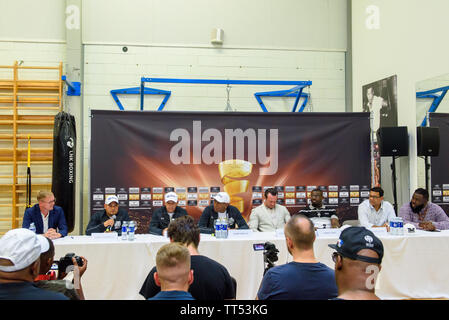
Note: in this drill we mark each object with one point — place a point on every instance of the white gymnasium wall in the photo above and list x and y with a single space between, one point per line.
411 43
263 40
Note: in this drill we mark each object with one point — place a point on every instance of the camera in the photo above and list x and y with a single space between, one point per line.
270 253
66 261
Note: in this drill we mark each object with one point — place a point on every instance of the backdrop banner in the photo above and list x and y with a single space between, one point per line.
141 155
439 165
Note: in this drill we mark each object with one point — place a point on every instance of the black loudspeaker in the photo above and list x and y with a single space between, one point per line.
392 141
428 141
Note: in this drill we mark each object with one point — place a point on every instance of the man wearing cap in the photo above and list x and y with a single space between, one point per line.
20 251
269 216
221 209
48 218
110 219
162 217
357 261
424 214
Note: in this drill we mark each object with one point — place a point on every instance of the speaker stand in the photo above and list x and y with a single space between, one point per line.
427 166
395 197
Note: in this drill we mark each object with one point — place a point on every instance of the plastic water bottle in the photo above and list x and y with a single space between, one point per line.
32 227
224 228
217 225
393 226
125 230
400 226
131 230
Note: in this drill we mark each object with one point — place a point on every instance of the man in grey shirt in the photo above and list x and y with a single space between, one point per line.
269 216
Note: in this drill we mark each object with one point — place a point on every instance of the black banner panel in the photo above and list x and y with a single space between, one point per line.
141 155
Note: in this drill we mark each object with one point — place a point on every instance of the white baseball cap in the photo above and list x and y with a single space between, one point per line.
22 247
222 197
110 199
171 196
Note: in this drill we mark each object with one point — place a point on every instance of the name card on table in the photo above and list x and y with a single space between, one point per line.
379 231
106 235
234 233
331 232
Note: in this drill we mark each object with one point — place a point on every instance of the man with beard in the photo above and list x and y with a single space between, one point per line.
304 278
423 214
321 216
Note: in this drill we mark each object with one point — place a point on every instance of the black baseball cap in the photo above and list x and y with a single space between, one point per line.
354 239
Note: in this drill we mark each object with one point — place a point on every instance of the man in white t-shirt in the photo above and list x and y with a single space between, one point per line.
375 212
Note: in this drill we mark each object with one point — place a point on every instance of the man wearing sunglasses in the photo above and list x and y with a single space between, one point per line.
48 218
357 261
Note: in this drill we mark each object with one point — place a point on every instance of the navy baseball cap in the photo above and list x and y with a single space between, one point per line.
354 239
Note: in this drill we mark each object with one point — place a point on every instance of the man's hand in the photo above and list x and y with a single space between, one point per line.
427 225
52 234
81 269
334 223
108 223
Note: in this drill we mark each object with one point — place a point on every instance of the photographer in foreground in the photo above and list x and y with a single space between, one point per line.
304 278
47 279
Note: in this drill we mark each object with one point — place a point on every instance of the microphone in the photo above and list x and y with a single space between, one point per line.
231 221
108 229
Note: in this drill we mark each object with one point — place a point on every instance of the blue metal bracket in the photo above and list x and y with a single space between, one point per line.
432 94
294 92
136 90
73 88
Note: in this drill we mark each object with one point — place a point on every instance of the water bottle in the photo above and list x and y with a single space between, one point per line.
125 230
400 226
393 226
32 227
131 230
224 228
217 228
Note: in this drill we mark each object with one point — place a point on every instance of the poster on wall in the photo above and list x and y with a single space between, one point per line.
380 98
141 155
440 164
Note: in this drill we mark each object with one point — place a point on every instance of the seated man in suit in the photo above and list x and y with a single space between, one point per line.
162 217
110 219
48 218
221 209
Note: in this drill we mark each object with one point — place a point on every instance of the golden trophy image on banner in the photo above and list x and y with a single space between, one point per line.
231 174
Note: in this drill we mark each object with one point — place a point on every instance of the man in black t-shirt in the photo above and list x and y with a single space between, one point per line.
211 279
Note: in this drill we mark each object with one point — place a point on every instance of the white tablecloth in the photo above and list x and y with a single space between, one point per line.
414 266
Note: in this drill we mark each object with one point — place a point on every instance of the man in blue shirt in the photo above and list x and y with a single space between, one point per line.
20 251
304 278
173 273
48 218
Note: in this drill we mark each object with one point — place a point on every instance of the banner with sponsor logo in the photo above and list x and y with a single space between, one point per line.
440 164
141 155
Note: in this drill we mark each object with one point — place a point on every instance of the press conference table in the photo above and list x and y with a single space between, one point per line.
414 266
